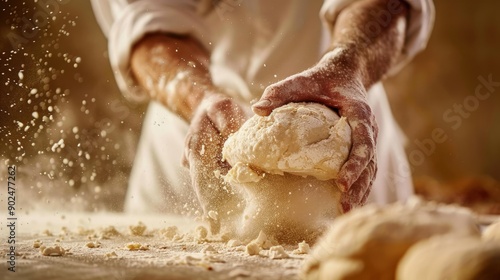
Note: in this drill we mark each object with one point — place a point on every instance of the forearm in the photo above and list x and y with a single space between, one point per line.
368 37
174 70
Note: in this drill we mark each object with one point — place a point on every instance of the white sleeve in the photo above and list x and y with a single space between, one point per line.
125 22
418 30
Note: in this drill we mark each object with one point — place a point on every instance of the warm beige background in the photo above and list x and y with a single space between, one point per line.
465 44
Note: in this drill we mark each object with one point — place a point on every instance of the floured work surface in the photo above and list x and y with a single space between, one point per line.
119 246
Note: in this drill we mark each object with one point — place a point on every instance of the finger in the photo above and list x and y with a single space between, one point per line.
293 89
227 116
362 151
358 193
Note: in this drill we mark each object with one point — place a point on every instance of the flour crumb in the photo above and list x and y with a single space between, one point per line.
47 233
208 249
277 252
135 246
93 244
234 243
303 248
52 251
169 232
37 243
201 233
109 232
252 249
111 255
137 230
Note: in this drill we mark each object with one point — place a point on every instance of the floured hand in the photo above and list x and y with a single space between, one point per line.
337 83
216 118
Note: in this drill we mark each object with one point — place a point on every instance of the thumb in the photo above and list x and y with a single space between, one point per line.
293 89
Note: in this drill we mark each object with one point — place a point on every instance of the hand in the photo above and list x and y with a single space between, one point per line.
214 120
336 83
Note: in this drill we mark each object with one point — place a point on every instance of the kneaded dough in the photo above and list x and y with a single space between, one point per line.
367 243
284 164
449 257
305 139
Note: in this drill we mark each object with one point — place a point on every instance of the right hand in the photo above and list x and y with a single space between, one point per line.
215 119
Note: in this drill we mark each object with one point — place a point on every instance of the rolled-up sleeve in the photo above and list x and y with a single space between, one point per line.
125 22
418 30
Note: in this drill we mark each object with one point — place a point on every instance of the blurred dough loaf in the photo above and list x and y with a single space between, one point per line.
492 232
449 257
305 139
367 243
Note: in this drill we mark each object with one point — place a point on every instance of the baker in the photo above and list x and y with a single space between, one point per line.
202 64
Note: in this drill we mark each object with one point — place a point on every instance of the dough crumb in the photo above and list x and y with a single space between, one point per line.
201 233
37 243
277 252
93 244
303 248
111 255
234 243
170 232
208 249
252 249
47 233
52 251
109 232
137 230
135 246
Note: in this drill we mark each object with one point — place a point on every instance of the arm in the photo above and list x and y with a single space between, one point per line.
363 48
174 70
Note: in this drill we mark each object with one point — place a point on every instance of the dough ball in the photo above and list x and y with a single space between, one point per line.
449 257
284 165
288 207
367 243
305 139
492 232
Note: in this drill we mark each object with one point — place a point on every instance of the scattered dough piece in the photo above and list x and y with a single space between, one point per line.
170 232
252 249
368 242
47 233
138 230
109 232
52 251
135 246
278 252
449 257
234 243
492 232
201 233
285 165
304 248
239 272
111 255
37 243
93 244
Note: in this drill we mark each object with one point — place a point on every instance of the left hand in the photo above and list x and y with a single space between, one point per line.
335 83
215 119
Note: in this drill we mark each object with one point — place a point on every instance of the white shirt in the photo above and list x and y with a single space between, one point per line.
262 41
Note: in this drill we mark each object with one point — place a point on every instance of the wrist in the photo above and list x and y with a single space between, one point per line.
345 62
